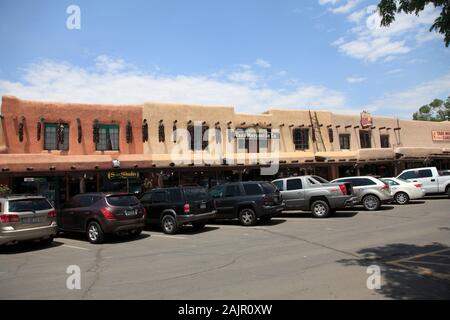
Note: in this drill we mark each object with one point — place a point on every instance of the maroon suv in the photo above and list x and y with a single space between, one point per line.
98 214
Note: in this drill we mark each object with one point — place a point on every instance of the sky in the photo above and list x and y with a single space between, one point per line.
253 55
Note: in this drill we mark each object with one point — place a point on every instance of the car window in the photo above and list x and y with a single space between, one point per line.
23 205
390 182
217 192
425 173
294 184
268 188
409 175
366 182
195 194
147 197
159 197
88 200
175 195
252 189
232 191
312 181
279 184
122 200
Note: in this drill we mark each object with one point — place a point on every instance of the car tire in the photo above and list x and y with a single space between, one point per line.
320 209
95 233
265 219
198 225
247 217
371 202
401 198
169 224
448 192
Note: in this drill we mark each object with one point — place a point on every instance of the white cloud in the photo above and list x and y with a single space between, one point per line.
55 81
324 2
405 103
367 40
355 79
262 63
347 7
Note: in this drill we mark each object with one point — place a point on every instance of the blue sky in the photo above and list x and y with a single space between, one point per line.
250 54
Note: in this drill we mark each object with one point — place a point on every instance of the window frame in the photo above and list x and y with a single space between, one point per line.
346 135
304 134
108 127
387 137
363 142
57 145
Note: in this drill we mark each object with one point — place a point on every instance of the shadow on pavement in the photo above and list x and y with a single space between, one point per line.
409 271
27 246
109 237
234 222
302 214
185 230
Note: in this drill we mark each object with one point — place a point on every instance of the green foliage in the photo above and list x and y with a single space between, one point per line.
4 190
437 110
388 9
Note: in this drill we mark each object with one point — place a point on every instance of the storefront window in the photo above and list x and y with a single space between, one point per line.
54 138
344 141
108 137
301 139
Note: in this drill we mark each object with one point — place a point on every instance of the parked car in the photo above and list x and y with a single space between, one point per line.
315 194
247 201
432 181
98 214
371 192
178 206
403 190
25 217
444 172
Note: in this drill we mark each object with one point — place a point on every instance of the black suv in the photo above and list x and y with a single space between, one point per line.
177 206
99 213
247 201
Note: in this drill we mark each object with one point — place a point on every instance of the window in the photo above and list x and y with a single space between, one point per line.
232 191
51 141
175 195
159 197
279 185
344 141
311 181
252 189
87 201
29 205
217 191
108 137
320 179
390 182
268 187
146 197
364 137
196 193
425 173
384 141
409 175
122 200
294 184
301 139
248 140
359 182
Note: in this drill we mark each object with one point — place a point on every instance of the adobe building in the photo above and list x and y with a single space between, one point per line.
61 149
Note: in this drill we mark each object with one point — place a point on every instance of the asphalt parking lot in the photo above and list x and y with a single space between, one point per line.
293 257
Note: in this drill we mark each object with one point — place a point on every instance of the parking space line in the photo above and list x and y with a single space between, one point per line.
419 256
168 237
75 247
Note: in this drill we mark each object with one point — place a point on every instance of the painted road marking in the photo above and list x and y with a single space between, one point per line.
168 237
75 247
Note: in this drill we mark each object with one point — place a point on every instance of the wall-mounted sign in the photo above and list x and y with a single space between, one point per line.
123 175
366 120
441 135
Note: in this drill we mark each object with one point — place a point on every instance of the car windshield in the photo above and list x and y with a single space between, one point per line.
122 200
29 205
268 188
196 194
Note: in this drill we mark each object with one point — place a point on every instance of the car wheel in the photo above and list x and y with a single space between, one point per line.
198 225
401 198
95 233
371 202
265 219
169 224
247 217
448 192
320 209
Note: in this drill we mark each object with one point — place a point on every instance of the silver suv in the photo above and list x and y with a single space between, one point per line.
26 218
371 192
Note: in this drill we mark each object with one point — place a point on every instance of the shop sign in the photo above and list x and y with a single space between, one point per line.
123 175
28 179
441 135
366 120
253 135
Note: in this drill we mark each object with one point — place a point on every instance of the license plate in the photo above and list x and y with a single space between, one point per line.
130 213
32 220
203 206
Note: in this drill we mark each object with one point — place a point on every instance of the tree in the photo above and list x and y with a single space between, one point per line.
437 110
388 9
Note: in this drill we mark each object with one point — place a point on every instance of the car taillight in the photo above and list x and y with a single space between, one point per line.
8 218
145 212
343 189
108 215
419 185
385 187
51 214
187 208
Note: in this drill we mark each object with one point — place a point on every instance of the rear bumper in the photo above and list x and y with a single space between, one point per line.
117 226
7 235
342 202
270 211
183 219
